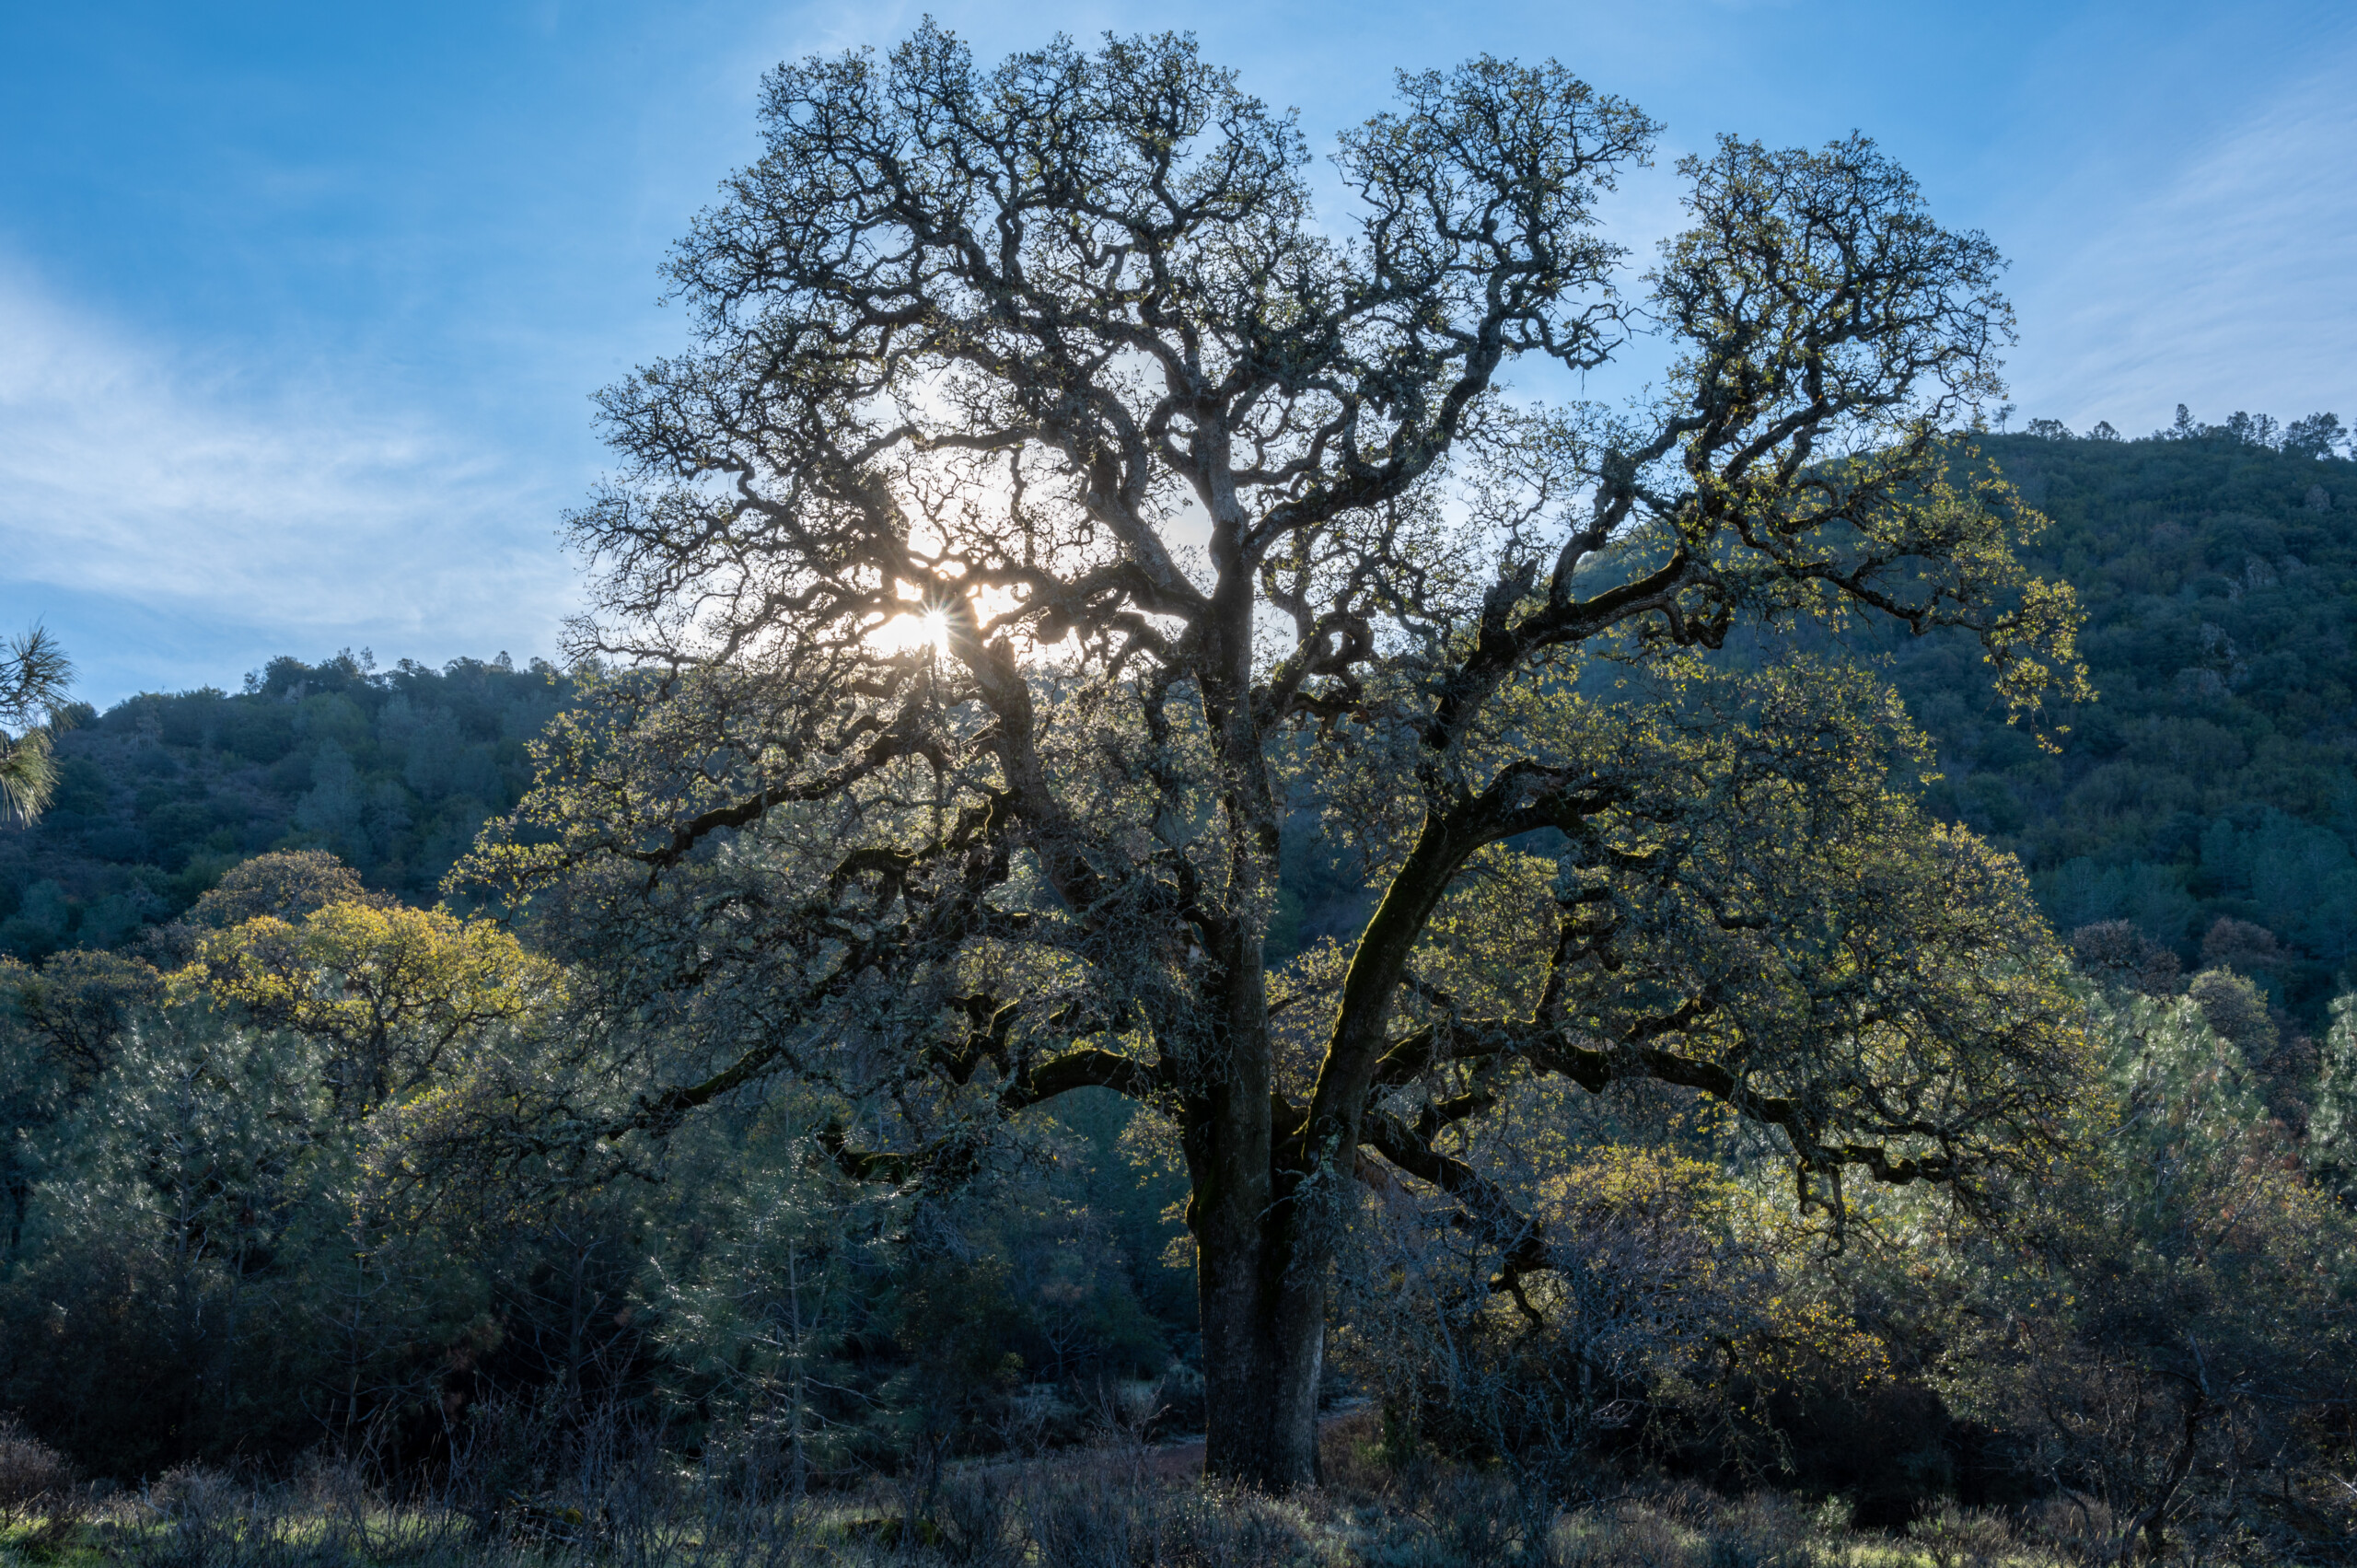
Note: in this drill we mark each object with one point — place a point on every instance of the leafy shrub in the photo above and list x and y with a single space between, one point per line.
1961 1538
195 1495
36 1486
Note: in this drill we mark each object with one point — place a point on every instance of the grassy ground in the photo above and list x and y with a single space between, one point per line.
1114 1506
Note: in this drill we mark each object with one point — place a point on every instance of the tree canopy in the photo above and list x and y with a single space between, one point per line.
1051 501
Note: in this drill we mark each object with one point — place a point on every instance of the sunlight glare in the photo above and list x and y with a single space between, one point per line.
916 628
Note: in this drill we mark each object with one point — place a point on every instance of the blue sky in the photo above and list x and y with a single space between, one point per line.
300 306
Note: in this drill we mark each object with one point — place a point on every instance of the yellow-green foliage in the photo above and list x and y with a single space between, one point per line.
387 989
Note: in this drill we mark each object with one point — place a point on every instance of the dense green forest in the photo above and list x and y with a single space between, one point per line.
2216 776
392 770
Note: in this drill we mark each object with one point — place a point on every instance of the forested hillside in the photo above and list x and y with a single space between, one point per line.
392 770
2216 776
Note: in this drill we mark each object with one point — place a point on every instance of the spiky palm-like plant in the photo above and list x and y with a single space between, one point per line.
34 675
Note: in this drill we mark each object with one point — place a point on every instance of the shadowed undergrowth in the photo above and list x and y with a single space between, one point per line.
1109 1506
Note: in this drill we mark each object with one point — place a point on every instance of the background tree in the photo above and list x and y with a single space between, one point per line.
2332 1129
285 884
168 1194
1048 496
387 992
2316 437
2170 1349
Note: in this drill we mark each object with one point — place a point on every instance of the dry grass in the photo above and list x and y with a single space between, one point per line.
1110 1506
43 1507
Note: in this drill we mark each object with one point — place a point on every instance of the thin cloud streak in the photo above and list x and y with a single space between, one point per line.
2226 286
123 476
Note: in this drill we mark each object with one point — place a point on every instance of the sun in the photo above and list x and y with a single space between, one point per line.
917 628
934 617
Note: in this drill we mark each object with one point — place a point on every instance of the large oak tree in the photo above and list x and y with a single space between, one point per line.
1052 507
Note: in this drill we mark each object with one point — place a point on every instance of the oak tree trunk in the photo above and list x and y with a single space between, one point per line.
1264 1342
1260 1285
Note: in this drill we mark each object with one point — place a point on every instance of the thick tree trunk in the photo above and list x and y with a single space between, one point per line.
1260 1298
1259 1293
1261 1261
1264 1342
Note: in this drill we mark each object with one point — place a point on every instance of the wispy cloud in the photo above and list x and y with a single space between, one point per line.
2227 282
288 513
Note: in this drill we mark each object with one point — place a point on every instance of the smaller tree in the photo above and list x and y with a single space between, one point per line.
61 1028
77 1008
1668 1282
2250 429
2332 1126
2180 1337
756 1320
2314 437
34 674
156 1247
388 991
284 884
